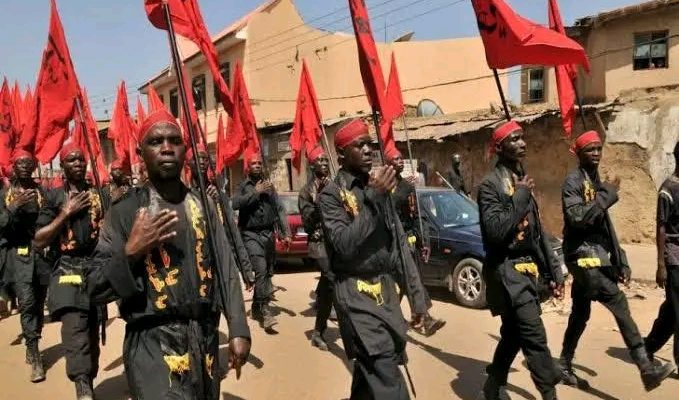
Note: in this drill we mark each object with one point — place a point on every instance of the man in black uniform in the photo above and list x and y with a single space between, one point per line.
241 254
120 180
363 240
405 200
154 255
260 212
29 273
455 177
313 226
667 276
597 262
68 230
517 255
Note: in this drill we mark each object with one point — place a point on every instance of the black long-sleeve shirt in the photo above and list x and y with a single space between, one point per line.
310 210
405 200
259 211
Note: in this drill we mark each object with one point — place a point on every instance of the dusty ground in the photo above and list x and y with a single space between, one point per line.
284 366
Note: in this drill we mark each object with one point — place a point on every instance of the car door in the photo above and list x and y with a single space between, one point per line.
432 270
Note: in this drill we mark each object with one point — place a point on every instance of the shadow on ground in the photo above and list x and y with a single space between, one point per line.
114 388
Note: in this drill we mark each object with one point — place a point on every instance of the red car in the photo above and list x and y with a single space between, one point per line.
298 247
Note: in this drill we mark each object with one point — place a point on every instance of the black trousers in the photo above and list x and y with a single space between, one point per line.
80 338
378 377
667 323
522 329
324 296
598 287
31 298
262 250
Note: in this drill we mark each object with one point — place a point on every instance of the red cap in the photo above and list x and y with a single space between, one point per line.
350 132
249 155
502 132
392 152
68 148
584 140
20 153
315 153
160 116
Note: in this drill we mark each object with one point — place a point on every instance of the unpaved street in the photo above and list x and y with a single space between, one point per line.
284 366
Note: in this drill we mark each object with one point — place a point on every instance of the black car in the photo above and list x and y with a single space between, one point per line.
457 251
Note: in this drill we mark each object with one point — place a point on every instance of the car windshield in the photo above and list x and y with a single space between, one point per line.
450 209
290 204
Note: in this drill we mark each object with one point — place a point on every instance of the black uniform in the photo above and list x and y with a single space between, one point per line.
594 258
25 269
363 254
667 323
313 226
258 216
170 299
456 180
68 300
518 254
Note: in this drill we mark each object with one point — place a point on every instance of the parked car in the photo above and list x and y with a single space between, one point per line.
457 253
298 247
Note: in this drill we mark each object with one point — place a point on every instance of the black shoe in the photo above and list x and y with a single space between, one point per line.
33 358
317 340
568 376
494 390
652 373
4 308
268 320
83 389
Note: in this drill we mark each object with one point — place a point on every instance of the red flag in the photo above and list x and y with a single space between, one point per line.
235 138
565 75
17 105
93 136
306 129
371 69
220 143
394 101
122 129
154 102
187 21
55 94
141 114
512 40
8 134
247 116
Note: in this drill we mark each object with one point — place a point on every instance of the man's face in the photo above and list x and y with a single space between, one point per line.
163 151
203 162
23 167
358 154
255 167
74 166
456 160
513 148
397 163
321 167
590 155
119 176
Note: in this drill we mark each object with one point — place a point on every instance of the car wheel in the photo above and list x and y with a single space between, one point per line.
467 285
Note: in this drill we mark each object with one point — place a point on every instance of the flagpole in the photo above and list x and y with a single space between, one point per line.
582 110
502 94
326 144
194 145
93 164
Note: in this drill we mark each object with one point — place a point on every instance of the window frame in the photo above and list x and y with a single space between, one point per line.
196 83
529 97
225 72
650 39
174 102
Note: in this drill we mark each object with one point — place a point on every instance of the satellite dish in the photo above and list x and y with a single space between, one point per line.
405 37
427 108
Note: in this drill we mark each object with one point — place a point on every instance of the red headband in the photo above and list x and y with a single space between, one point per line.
68 148
584 140
315 153
350 132
501 133
248 156
160 116
20 153
392 152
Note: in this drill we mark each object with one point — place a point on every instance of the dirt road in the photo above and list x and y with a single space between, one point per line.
284 366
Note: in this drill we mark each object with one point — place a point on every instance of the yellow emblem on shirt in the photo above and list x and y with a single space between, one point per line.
373 290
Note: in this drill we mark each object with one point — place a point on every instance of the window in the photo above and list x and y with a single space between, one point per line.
650 50
225 71
174 103
198 85
536 85
162 98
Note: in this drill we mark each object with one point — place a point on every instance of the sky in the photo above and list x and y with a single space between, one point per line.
113 40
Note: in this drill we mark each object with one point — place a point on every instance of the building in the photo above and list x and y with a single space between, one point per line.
634 47
271 42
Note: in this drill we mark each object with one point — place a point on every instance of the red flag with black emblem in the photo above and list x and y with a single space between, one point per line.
235 137
8 134
55 95
565 75
512 40
188 22
247 116
306 130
